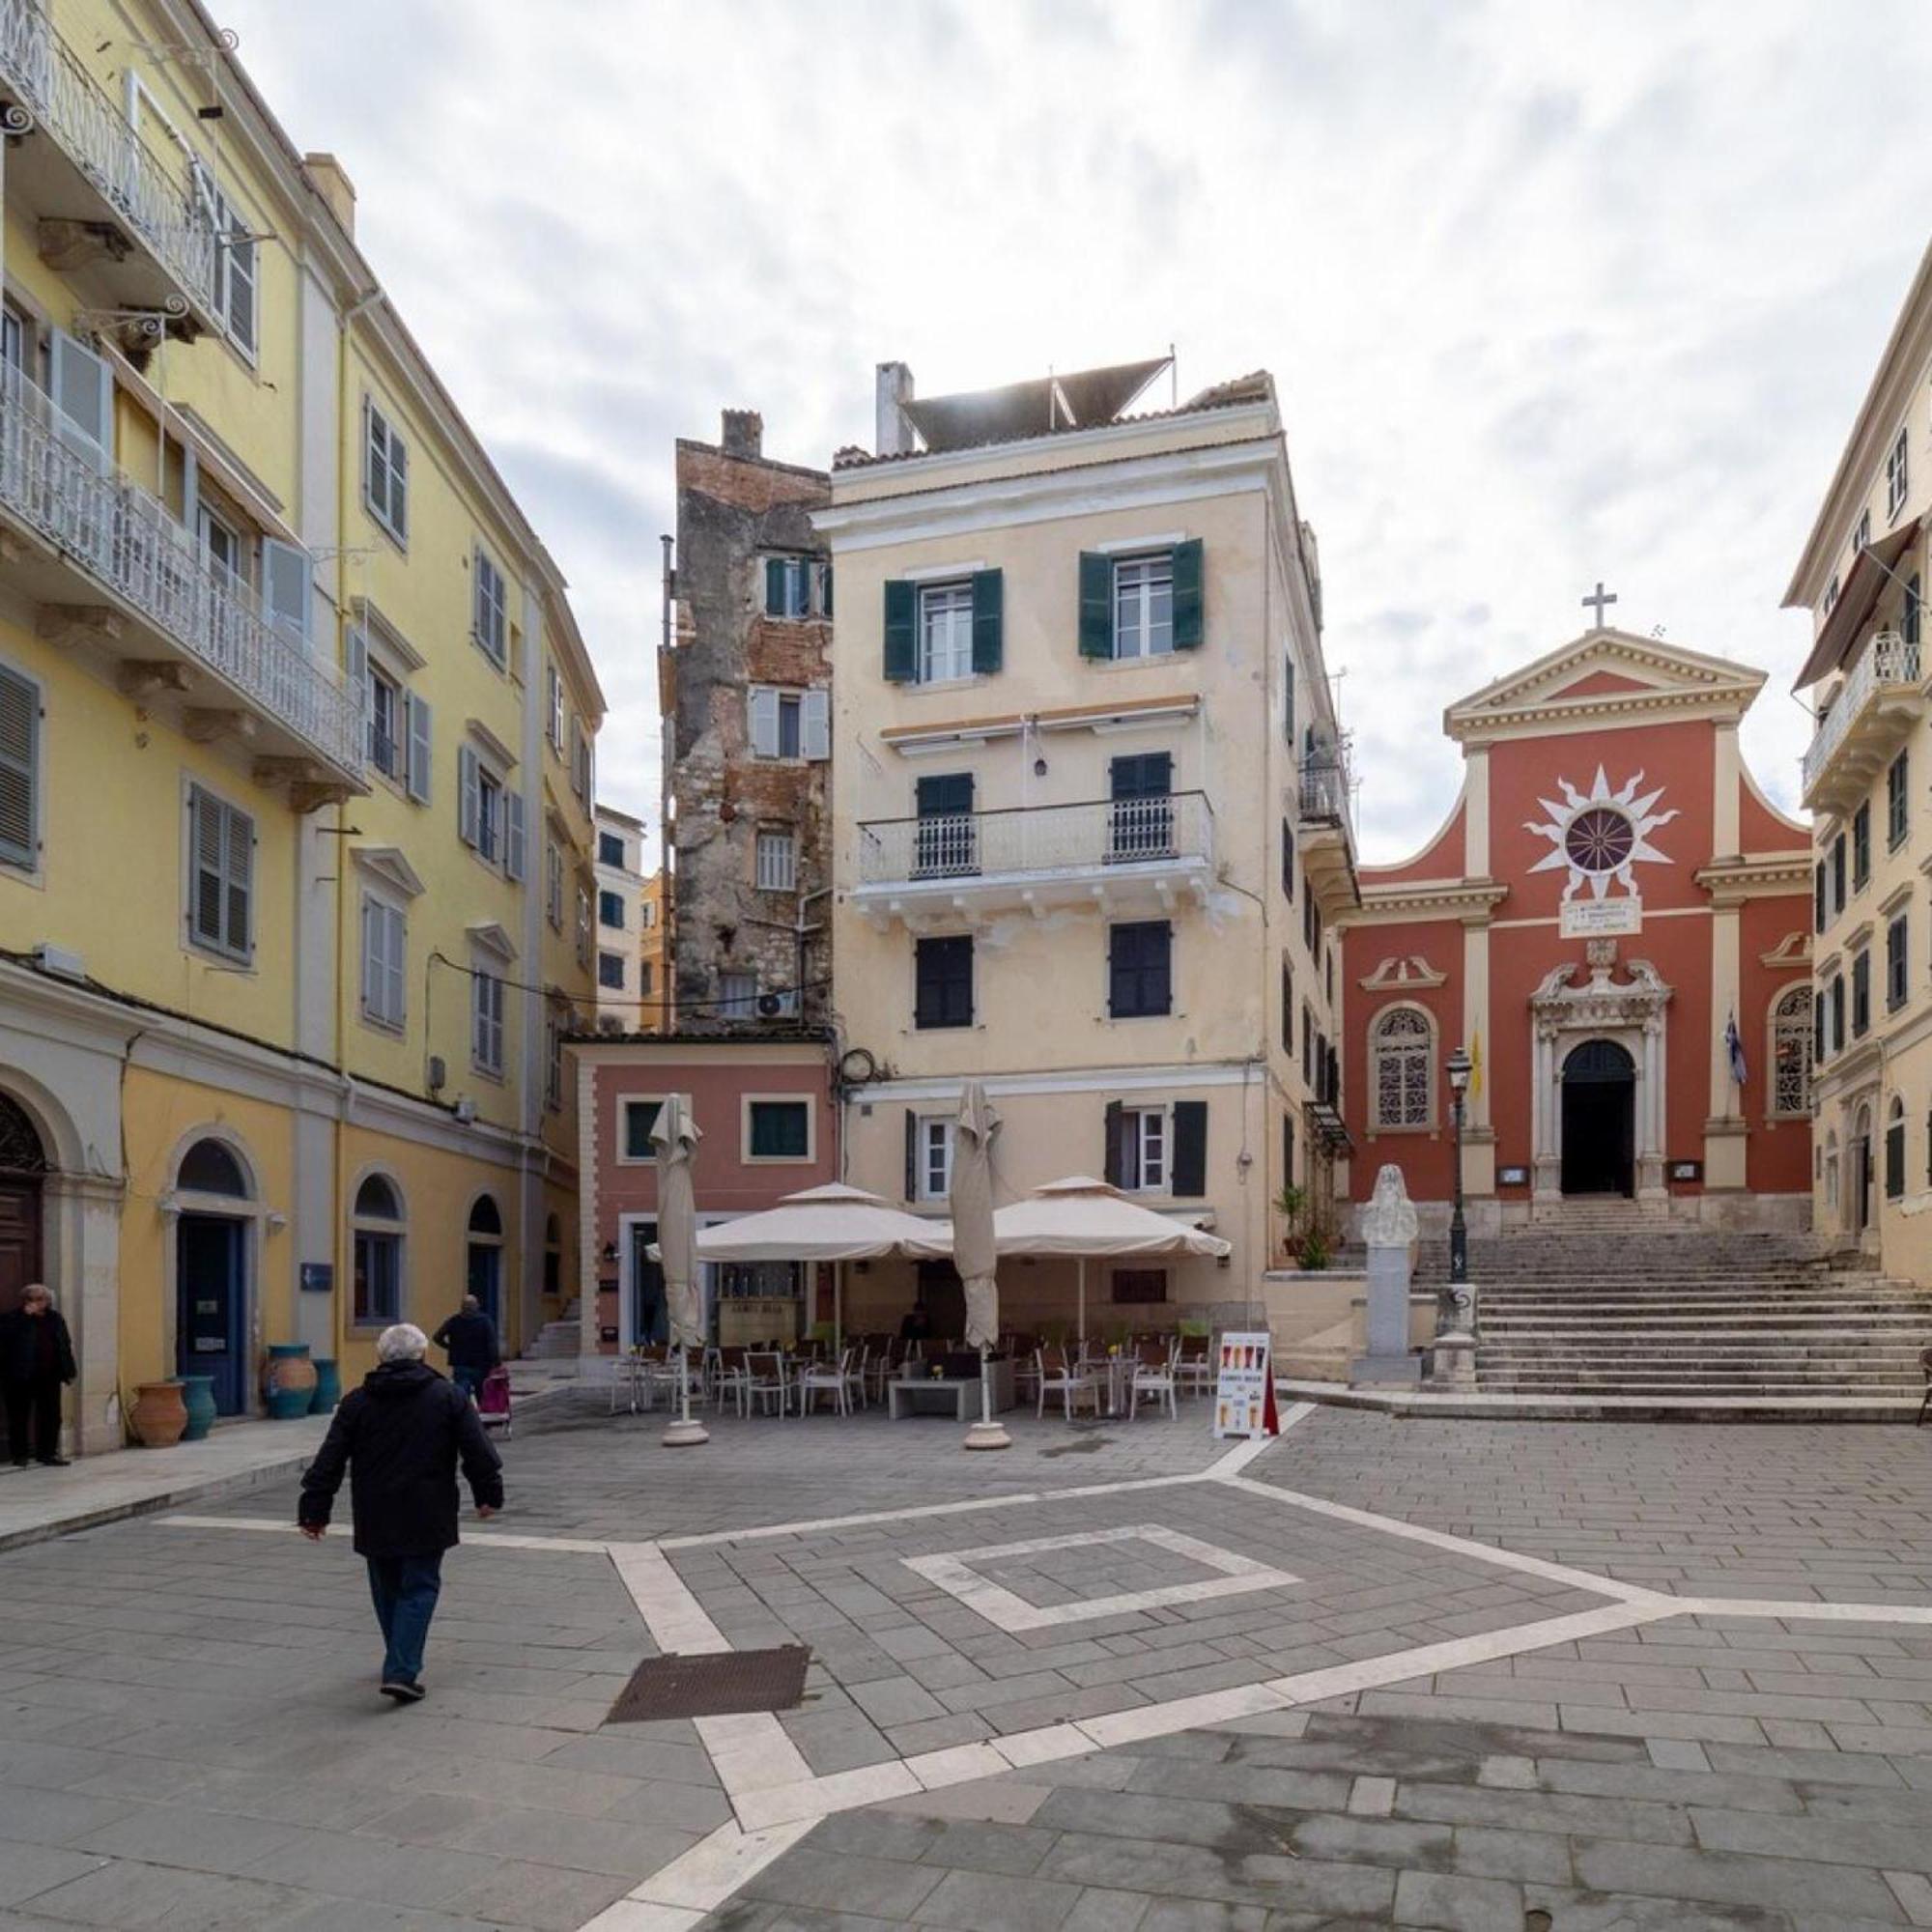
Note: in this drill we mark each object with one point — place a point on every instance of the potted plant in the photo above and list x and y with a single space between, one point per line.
1305 1243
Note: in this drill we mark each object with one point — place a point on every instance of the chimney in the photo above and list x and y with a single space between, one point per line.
892 434
326 176
744 433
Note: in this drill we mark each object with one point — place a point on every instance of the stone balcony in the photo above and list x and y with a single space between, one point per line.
1865 722
1120 856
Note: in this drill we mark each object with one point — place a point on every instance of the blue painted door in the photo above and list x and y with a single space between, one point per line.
211 1314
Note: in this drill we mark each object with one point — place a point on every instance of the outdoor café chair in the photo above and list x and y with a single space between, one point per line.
727 1378
1064 1378
856 1360
1195 1369
1154 1377
765 1381
833 1379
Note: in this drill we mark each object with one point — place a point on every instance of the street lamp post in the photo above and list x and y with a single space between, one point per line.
1459 1231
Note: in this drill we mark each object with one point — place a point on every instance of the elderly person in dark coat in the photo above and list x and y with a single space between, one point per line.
36 1362
401 1436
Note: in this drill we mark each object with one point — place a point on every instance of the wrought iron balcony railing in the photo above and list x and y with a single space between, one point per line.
1101 836
1324 790
157 205
123 540
1890 661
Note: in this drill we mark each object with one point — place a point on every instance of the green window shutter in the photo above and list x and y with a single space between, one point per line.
1187 596
775 587
1187 1173
1097 604
1113 1168
911 1156
901 632
988 605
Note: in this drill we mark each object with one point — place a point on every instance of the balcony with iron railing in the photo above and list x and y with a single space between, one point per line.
111 209
1864 722
1324 832
1117 854
109 569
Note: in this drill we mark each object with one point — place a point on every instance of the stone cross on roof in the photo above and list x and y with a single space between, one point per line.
1601 598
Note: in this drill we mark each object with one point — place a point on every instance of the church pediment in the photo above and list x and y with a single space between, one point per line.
1607 675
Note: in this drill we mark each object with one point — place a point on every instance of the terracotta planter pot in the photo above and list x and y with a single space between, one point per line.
160 1415
287 1381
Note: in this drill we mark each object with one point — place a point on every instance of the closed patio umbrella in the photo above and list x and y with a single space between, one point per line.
675 1135
974 1253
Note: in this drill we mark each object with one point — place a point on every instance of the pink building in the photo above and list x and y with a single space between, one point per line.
763 1106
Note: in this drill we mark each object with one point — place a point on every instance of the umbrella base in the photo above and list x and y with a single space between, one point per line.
987 1435
687 1434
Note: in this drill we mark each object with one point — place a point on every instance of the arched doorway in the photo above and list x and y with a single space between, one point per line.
211 1274
1859 1208
23 1167
1599 1119
484 1274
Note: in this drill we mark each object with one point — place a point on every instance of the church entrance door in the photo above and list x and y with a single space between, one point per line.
1599 1119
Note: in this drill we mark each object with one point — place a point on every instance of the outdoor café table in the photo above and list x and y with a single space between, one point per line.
960 1393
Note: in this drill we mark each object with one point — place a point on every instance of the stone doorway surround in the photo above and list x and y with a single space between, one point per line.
1632 1015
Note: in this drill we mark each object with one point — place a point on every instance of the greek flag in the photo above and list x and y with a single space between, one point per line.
1734 1049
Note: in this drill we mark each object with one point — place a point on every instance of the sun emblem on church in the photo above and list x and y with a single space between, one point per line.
1597 836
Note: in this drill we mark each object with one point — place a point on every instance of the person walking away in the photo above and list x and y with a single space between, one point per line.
401 1436
36 1362
469 1338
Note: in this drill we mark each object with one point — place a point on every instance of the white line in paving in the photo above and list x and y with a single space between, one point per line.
675 1619
751 1750
1800 1611
713 1868
495 1539
957 1574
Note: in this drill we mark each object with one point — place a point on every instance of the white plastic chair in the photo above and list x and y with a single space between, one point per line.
765 1381
858 1359
1157 1379
833 1379
1058 1376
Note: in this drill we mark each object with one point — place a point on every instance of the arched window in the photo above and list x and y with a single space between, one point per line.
209 1166
1831 1168
484 1259
1402 1057
484 1219
1895 1150
20 1149
1791 1047
377 1238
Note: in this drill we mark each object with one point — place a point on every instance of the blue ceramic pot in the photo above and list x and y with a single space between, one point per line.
198 1398
287 1382
328 1387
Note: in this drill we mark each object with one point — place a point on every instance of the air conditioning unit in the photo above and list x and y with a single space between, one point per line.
464 1109
439 1074
610 1023
61 961
771 1005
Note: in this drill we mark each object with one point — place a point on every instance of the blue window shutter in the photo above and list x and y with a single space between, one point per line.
419 747
901 632
775 587
513 835
1097 604
468 797
1187 609
988 609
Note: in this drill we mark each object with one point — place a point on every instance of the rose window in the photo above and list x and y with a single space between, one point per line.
1598 840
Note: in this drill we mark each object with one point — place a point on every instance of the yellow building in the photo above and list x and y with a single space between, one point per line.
296 743
1090 819
1862 576
654 987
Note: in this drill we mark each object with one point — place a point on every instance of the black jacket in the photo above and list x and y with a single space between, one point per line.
471 1340
401 1435
17 1346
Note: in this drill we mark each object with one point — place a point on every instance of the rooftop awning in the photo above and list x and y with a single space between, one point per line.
1868 575
1080 399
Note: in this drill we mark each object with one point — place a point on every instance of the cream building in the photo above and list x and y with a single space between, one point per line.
620 923
1090 818
1862 576
295 754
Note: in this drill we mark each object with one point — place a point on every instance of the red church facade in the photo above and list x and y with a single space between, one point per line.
1610 893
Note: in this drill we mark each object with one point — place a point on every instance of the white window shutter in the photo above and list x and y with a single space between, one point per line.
285 587
814 725
83 388
764 721
419 747
468 797
513 835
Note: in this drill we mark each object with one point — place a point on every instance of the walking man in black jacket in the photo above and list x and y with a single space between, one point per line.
469 1338
401 1436
36 1362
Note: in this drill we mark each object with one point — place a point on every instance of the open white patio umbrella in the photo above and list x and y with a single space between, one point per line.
833 1223
1079 1217
675 1135
974 1253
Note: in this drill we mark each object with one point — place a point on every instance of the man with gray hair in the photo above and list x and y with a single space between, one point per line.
35 1363
401 1436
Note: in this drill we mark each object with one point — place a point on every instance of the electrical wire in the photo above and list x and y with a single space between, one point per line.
549 991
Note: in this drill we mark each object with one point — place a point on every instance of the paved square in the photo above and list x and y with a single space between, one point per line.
1048 1593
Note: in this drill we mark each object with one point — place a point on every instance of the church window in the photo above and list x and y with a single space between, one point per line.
1862 848
1402 1056
1895 964
1791 1046
1860 995
1896 804
1600 839
1895 1150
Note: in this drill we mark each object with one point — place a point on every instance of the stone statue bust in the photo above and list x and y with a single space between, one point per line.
1388 1221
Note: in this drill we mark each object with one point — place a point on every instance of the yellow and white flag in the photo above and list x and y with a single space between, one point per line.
1476 1068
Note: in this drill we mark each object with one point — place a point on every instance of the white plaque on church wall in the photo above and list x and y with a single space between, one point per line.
1592 918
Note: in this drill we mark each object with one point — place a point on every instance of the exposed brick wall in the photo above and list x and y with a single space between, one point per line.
733 510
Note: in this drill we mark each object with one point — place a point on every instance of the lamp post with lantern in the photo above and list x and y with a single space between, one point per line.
1459 1069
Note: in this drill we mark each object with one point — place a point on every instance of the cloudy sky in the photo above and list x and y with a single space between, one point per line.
1550 292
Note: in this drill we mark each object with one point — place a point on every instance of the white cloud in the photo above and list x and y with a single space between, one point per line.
1550 291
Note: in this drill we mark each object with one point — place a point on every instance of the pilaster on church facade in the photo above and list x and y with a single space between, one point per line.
1613 923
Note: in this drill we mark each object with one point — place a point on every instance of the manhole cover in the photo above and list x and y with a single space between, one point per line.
714 1685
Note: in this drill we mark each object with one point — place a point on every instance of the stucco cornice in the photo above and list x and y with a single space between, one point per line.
1757 875
1469 900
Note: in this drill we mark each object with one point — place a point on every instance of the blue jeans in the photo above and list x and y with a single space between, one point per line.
468 1380
405 1589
